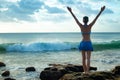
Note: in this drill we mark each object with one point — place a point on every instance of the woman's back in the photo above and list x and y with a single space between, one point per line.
86 31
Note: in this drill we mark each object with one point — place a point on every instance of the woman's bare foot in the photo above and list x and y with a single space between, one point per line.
85 74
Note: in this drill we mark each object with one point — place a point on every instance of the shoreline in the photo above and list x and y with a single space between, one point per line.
65 72
75 72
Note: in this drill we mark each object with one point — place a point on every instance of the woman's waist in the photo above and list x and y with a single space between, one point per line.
86 39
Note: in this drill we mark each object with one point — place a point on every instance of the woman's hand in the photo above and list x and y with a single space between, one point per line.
69 9
102 8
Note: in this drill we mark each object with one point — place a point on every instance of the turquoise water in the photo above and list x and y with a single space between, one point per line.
21 50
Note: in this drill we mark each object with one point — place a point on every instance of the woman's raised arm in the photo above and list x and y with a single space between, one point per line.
93 22
77 21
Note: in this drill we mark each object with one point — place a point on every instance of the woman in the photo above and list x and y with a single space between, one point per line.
86 46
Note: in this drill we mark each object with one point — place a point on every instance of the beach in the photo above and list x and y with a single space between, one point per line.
21 50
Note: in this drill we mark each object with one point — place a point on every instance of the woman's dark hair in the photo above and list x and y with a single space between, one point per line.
85 19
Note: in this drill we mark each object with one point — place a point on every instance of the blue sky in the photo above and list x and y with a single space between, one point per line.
52 15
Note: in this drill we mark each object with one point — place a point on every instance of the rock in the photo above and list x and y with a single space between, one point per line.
2 64
9 79
116 71
102 75
72 76
51 68
56 71
74 69
63 71
29 69
77 68
50 75
92 76
48 68
5 73
97 77
74 72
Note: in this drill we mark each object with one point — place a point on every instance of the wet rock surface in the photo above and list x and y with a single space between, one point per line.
75 72
56 71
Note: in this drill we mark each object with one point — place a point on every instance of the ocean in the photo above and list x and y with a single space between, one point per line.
21 50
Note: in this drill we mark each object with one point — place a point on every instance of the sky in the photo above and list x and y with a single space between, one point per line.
20 16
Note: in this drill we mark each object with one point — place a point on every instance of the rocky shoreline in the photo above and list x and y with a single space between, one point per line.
75 72
6 73
69 72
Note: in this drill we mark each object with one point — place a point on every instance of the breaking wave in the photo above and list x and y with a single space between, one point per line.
54 46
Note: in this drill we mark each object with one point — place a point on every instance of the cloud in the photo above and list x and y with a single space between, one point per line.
54 10
4 4
29 7
108 11
67 1
88 10
24 10
47 15
21 10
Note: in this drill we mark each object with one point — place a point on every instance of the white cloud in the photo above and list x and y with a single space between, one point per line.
3 9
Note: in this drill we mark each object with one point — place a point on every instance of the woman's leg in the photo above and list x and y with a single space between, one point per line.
88 61
84 61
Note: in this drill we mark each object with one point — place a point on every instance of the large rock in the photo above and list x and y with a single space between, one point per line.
50 75
56 71
116 71
77 68
5 73
9 79
97 75
92 76
2 64
101 75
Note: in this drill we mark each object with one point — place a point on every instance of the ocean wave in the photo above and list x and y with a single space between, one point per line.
54 46
107 45
37 46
